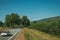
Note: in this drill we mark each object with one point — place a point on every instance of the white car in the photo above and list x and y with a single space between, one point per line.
5 33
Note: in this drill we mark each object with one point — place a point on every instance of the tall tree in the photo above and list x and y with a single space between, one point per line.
1 23
25 21
12 19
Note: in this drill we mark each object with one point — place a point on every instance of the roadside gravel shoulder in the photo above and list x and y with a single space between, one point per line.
20 35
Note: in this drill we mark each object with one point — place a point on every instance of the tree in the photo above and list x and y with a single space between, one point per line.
25 21
12 19
1 23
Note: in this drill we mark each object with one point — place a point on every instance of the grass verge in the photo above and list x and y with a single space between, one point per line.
31 34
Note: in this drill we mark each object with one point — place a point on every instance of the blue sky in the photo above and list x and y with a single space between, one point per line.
34 9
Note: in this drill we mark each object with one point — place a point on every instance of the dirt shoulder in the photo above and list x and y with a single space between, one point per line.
20 35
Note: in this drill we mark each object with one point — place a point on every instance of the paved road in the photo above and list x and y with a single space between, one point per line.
13 31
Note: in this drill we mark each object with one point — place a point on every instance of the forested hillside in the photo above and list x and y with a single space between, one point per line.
48 25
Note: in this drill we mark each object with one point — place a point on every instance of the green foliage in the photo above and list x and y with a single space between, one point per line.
27 35
1 23
25 21
51 25
12 19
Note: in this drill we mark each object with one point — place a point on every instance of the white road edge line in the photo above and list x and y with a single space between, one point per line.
13 35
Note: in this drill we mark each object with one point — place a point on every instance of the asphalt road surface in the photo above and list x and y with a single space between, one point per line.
12 31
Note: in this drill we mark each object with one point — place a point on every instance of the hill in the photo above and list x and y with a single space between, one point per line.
48 25
48 19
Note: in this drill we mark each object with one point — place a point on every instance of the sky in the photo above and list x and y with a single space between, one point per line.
33 9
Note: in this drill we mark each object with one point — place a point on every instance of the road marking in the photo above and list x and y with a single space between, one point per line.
14 35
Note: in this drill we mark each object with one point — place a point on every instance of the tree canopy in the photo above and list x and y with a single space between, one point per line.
12 19
25 21
1 23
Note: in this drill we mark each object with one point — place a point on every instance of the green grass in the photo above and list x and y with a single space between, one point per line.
31 34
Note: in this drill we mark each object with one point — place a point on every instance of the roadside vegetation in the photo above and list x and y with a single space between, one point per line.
14 19
32 34
49 25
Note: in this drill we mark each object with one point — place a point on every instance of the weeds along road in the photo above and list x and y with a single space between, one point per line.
12 31
32 34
